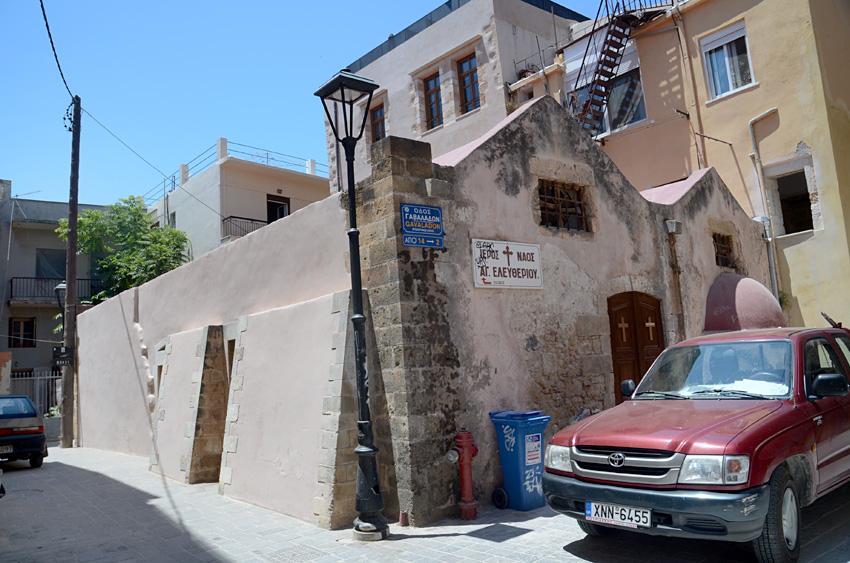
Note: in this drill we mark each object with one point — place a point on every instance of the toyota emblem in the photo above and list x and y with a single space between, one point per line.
617 460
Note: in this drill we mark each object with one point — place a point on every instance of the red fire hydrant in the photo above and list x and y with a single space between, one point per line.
462 454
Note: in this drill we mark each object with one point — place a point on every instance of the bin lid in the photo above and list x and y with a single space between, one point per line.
518 416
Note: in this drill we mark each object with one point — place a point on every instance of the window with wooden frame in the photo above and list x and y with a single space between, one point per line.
379 130
433 102
468 72
723 250
21 333
562 206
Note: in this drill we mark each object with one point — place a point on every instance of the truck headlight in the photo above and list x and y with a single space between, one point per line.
715 470
558 458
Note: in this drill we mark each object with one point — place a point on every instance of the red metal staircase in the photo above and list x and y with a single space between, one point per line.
611 30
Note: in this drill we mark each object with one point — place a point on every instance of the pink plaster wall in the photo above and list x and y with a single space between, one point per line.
280 421
114 397
290 261
175 400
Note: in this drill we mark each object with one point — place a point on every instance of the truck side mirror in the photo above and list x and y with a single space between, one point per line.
627 387
830 385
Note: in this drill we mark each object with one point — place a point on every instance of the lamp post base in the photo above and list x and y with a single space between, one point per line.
371 530
371 536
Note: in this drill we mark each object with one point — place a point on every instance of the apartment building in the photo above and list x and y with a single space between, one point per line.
756 90
443 78
231 190
33 265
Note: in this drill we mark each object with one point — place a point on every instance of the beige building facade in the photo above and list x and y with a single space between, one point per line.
779 139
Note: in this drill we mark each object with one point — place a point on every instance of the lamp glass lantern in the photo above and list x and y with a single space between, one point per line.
60 290
347 89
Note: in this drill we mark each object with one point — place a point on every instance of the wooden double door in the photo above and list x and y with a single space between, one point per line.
637 336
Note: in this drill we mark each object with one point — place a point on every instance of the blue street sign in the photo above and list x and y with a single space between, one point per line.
421 220
422 241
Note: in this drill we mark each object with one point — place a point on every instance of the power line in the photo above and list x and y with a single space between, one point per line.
52 46
23 338
200 201
125 144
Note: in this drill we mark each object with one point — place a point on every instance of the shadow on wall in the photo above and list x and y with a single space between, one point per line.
91 516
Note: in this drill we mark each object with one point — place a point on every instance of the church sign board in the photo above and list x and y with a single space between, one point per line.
501 264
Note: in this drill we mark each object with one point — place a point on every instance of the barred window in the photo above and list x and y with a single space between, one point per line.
723 250
562 206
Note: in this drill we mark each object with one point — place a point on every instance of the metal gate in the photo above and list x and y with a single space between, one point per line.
42 385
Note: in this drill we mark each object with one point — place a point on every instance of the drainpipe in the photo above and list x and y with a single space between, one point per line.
679 22
771 243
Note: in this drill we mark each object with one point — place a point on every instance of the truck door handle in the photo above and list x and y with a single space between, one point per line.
818 419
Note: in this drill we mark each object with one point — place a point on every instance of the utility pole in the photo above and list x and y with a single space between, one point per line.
70 324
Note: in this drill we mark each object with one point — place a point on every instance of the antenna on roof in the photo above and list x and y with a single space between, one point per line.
830 321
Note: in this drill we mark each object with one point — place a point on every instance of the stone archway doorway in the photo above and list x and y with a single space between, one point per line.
637 336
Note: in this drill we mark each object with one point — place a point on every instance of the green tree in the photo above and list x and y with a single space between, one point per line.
127 250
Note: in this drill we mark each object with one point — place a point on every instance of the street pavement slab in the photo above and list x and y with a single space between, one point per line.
95 506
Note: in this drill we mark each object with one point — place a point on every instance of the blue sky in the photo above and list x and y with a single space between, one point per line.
169 77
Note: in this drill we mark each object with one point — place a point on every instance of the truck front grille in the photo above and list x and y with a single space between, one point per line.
653 471
606 451
642 467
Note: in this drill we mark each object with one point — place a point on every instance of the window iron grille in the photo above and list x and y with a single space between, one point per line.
723 250
562 206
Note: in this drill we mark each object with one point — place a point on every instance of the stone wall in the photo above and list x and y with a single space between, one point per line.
211 413
419 360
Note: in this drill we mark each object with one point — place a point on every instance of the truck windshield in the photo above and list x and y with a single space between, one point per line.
726 370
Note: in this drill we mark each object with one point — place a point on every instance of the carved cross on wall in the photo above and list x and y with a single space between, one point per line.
623 325
650 324
507 252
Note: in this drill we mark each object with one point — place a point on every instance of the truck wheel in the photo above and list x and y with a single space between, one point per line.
780 538
592 529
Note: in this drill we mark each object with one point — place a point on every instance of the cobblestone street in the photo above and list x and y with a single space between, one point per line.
90 505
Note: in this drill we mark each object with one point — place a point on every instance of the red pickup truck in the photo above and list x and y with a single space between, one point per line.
725 438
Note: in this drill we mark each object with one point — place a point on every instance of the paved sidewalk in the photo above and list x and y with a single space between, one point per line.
90 505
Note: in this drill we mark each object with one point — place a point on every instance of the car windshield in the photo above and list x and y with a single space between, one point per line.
16 407
726 370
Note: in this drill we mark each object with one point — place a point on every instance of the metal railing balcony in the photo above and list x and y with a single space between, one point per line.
43 289
240 226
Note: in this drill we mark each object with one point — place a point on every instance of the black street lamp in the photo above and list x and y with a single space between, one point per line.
347 89
60 291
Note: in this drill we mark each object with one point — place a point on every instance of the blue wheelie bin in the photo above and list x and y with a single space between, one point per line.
521 447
